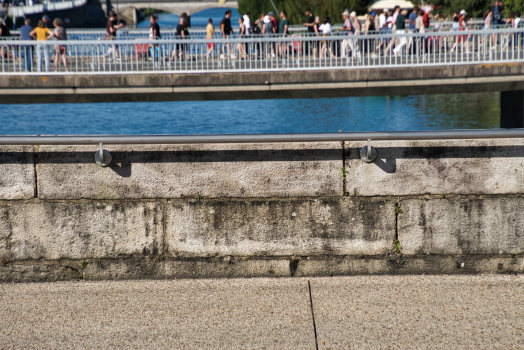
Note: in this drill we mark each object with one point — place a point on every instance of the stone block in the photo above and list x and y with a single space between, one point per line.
58 230
17 179
323 226
462 226
119 269
437 167
168 171
37 273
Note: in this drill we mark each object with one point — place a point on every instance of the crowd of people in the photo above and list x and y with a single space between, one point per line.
396 21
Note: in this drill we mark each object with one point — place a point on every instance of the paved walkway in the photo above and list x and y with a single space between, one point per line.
364 312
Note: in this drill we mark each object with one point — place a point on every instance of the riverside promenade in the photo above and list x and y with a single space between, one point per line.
365 312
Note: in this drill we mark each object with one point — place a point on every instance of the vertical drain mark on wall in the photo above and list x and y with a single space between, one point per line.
344 186
312 314
36 159
396 243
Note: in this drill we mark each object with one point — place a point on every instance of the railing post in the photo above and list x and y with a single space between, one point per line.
512 109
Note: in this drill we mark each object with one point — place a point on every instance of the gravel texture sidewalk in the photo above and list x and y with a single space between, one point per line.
362 312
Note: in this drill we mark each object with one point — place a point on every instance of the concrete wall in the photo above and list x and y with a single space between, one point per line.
169 86
294 209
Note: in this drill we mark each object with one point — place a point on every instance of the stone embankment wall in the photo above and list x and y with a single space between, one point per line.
293 209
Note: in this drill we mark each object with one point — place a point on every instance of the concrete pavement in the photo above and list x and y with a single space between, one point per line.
360 312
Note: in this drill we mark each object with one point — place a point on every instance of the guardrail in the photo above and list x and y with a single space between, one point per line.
265 53
367 153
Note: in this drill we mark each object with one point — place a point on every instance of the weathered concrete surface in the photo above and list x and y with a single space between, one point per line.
165 171
419 312
262 85
437 167
50 272
17 172
462 226
181 314
57 230
394 264
280 227
161 268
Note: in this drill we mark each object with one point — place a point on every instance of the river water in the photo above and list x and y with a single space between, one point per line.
397 113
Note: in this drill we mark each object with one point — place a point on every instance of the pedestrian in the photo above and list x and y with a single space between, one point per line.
326 30
154 34
210 35
382 18
347 44
25 34
369 29
401 29
154 28
247 22
283 32
497 11
112 26
384 30
4 34
396 12
268 31
274 22
46 20
241 33
59 50
180 34
41 33
227 31
420 27
310 29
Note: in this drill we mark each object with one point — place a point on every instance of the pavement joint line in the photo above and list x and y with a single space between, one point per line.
312 313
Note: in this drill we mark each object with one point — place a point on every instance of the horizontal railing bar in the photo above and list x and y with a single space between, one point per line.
261 138
258 39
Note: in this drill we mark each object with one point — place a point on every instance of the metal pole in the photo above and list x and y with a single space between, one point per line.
261 138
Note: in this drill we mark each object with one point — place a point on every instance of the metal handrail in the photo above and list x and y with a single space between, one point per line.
262 138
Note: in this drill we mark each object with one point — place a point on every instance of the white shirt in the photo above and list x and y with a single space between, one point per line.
517 21
325 28
381 20
247 23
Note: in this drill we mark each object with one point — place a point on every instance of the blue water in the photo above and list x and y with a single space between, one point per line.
199 19
397 113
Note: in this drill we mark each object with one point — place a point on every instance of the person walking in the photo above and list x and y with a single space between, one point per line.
310 30
112 26
210 35
247 22
154 34
4 33
268 30
180 34
283 31
401 29
227 31
347 44
59 50
25 34
41 33
241 34
326 30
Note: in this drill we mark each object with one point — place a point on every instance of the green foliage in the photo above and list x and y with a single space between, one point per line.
446 8
396 246
295 8
398 210
512 6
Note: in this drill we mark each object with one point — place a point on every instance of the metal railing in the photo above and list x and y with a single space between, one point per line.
262 138
264 53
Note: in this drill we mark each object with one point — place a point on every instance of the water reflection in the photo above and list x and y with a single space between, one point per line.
380 113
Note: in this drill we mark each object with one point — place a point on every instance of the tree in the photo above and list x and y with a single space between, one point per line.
295 8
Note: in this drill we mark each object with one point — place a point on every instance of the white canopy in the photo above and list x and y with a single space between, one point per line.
380 5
